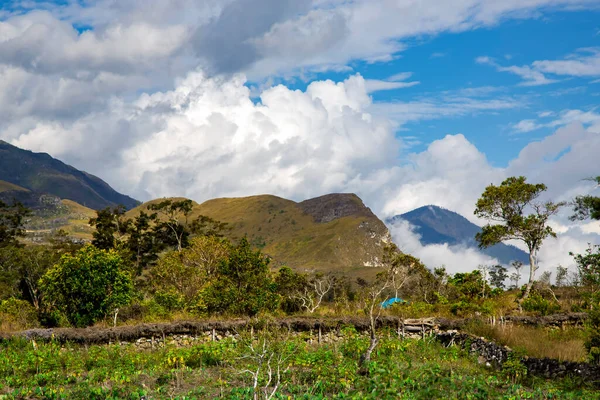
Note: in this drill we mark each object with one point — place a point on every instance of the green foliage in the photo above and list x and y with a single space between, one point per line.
507 206
408 369
288 283
244 285
184 274
514 369
470 285
19 312
537 303
109 222
592 343
587 207
11 223
498 276
22 267
88 285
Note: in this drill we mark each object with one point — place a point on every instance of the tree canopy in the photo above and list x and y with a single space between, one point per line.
88 285
513 212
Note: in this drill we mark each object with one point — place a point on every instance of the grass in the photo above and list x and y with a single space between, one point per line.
292 237
7 186
409 369
562 344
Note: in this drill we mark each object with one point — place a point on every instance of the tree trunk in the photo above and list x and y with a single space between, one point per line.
532 268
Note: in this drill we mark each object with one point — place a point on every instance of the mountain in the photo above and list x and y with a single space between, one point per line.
437 225
336 232
42 174
49 213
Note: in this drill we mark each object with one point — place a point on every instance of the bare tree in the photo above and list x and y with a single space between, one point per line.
312 294
397 270
268 361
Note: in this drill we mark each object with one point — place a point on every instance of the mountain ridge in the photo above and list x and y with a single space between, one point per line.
331 233
438 225
41 173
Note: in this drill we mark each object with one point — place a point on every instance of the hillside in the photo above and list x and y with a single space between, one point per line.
336 232
437 225
49 213
41 173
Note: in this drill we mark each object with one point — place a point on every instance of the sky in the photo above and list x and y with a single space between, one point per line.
403 102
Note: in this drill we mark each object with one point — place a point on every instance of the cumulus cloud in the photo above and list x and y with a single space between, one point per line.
118 99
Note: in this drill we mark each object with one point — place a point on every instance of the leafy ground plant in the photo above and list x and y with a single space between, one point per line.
265 365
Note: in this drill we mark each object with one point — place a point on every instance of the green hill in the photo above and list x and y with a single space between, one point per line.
49 213
41 173
9 187
336 232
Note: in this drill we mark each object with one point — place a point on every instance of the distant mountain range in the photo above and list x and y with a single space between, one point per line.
27 176
437 225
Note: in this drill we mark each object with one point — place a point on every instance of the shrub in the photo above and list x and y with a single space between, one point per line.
17 313
536 303
87 285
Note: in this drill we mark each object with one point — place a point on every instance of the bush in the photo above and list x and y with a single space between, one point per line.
592 344
18 314
536 303
87 285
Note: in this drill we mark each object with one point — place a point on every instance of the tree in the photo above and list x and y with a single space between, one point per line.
11 223
507 205
182 275
170 225
397 267
243 285
313 291
587 206
142 243
109 222
88 285
515 277
588 265
562 276
498 275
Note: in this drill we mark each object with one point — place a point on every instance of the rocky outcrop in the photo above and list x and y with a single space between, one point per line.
336 205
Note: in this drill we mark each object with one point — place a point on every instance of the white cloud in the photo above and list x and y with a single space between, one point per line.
375 85
393 82
530 76
104 100
467 102
454 258
526 125
586 62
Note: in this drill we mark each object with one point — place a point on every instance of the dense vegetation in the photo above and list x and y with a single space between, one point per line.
167 262
272 365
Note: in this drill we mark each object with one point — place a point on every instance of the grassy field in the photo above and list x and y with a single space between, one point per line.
561 344
409 369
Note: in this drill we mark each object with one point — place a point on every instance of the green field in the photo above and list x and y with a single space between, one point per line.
407 369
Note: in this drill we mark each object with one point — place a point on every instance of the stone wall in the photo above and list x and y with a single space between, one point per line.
315 330
496 355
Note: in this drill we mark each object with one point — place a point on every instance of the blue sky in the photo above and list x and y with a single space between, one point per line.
404 102
447 63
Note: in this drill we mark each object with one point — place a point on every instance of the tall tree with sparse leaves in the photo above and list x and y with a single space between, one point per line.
513 213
